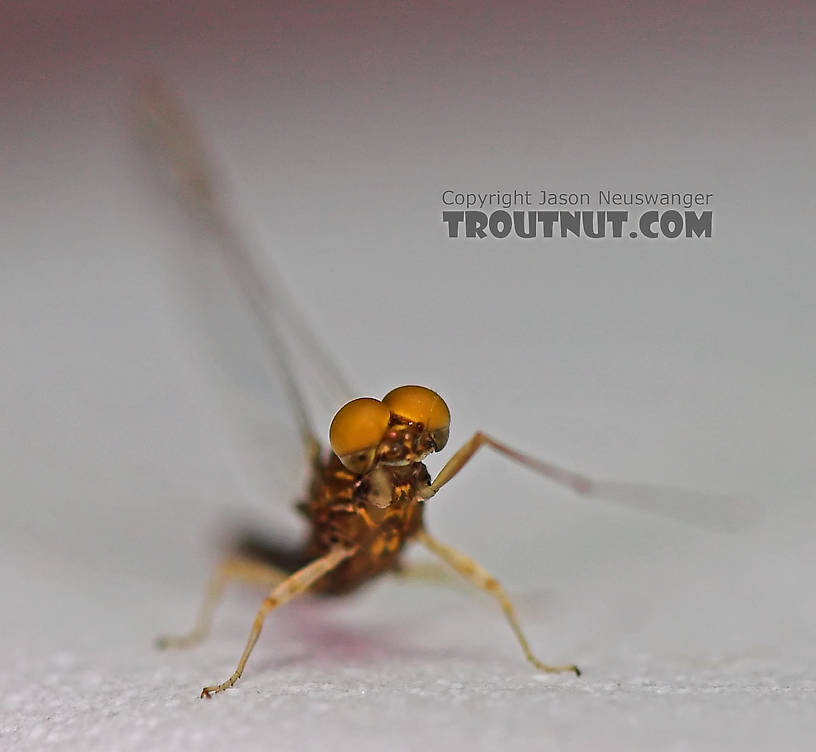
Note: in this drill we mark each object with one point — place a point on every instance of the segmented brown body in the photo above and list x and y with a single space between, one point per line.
377 512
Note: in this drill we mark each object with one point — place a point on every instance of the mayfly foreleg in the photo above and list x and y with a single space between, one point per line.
579 483
706 510
296 583
231 569
480 577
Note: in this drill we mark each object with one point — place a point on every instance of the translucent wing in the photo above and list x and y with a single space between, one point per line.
172 134
251 325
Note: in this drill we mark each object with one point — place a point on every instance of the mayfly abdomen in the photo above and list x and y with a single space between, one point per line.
284 555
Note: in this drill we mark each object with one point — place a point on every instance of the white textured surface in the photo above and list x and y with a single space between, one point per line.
674 363
387 703
689 662
404 665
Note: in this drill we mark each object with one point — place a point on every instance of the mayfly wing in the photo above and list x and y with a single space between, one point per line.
172 135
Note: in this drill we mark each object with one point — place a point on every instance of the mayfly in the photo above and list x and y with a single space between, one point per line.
367 493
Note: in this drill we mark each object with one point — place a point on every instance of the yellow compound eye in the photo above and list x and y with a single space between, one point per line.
421 405
356 431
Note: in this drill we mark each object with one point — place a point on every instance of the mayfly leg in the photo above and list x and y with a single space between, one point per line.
296 583
173 134
577 482
705 510
479 576
231 569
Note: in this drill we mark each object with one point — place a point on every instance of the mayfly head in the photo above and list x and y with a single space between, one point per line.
405 426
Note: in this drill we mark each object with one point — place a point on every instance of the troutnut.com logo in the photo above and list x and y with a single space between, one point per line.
546 214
